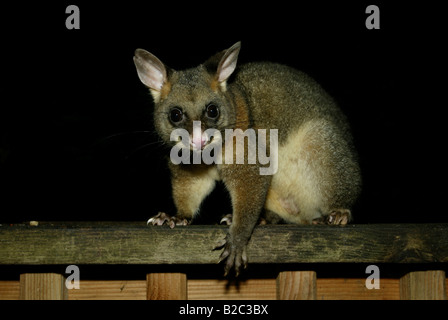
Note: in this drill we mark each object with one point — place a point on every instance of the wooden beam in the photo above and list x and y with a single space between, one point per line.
214 289
167 286
136 243
296 285
423 285
42 286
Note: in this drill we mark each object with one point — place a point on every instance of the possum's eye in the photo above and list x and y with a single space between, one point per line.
212 111
176 115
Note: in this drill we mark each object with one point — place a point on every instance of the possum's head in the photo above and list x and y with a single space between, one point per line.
182 98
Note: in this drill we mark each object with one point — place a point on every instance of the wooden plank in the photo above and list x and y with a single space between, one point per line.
42 286
167 286
423 285
296 285
136 243
213 289
355 289
9 290
109 290
251 289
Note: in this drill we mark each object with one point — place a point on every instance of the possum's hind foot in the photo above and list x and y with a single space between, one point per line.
336 217
162 218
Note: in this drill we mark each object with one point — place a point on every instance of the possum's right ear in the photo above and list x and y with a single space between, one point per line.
151 72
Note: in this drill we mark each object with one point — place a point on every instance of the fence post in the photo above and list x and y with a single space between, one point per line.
423 285
42 286
296 285
166 286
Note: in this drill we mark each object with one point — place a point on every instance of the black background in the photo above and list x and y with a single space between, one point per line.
76 139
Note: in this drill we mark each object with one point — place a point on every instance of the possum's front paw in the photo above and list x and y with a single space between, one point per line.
234 255
162 218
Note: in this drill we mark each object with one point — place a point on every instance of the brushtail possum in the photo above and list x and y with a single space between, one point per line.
317 178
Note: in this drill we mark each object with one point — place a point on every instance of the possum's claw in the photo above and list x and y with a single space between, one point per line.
234 256
226 220
220 244
162 218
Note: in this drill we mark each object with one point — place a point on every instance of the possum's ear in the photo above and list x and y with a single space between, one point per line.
222 65
151 71
228 64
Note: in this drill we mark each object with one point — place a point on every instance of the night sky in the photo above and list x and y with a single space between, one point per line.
76 131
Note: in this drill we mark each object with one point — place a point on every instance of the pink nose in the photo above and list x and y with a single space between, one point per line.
199 141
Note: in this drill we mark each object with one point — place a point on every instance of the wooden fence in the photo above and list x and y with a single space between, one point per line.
286 262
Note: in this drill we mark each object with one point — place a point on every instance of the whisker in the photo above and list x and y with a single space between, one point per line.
121 134
158 143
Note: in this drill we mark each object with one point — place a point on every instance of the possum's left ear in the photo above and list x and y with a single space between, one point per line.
228 62
223 64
